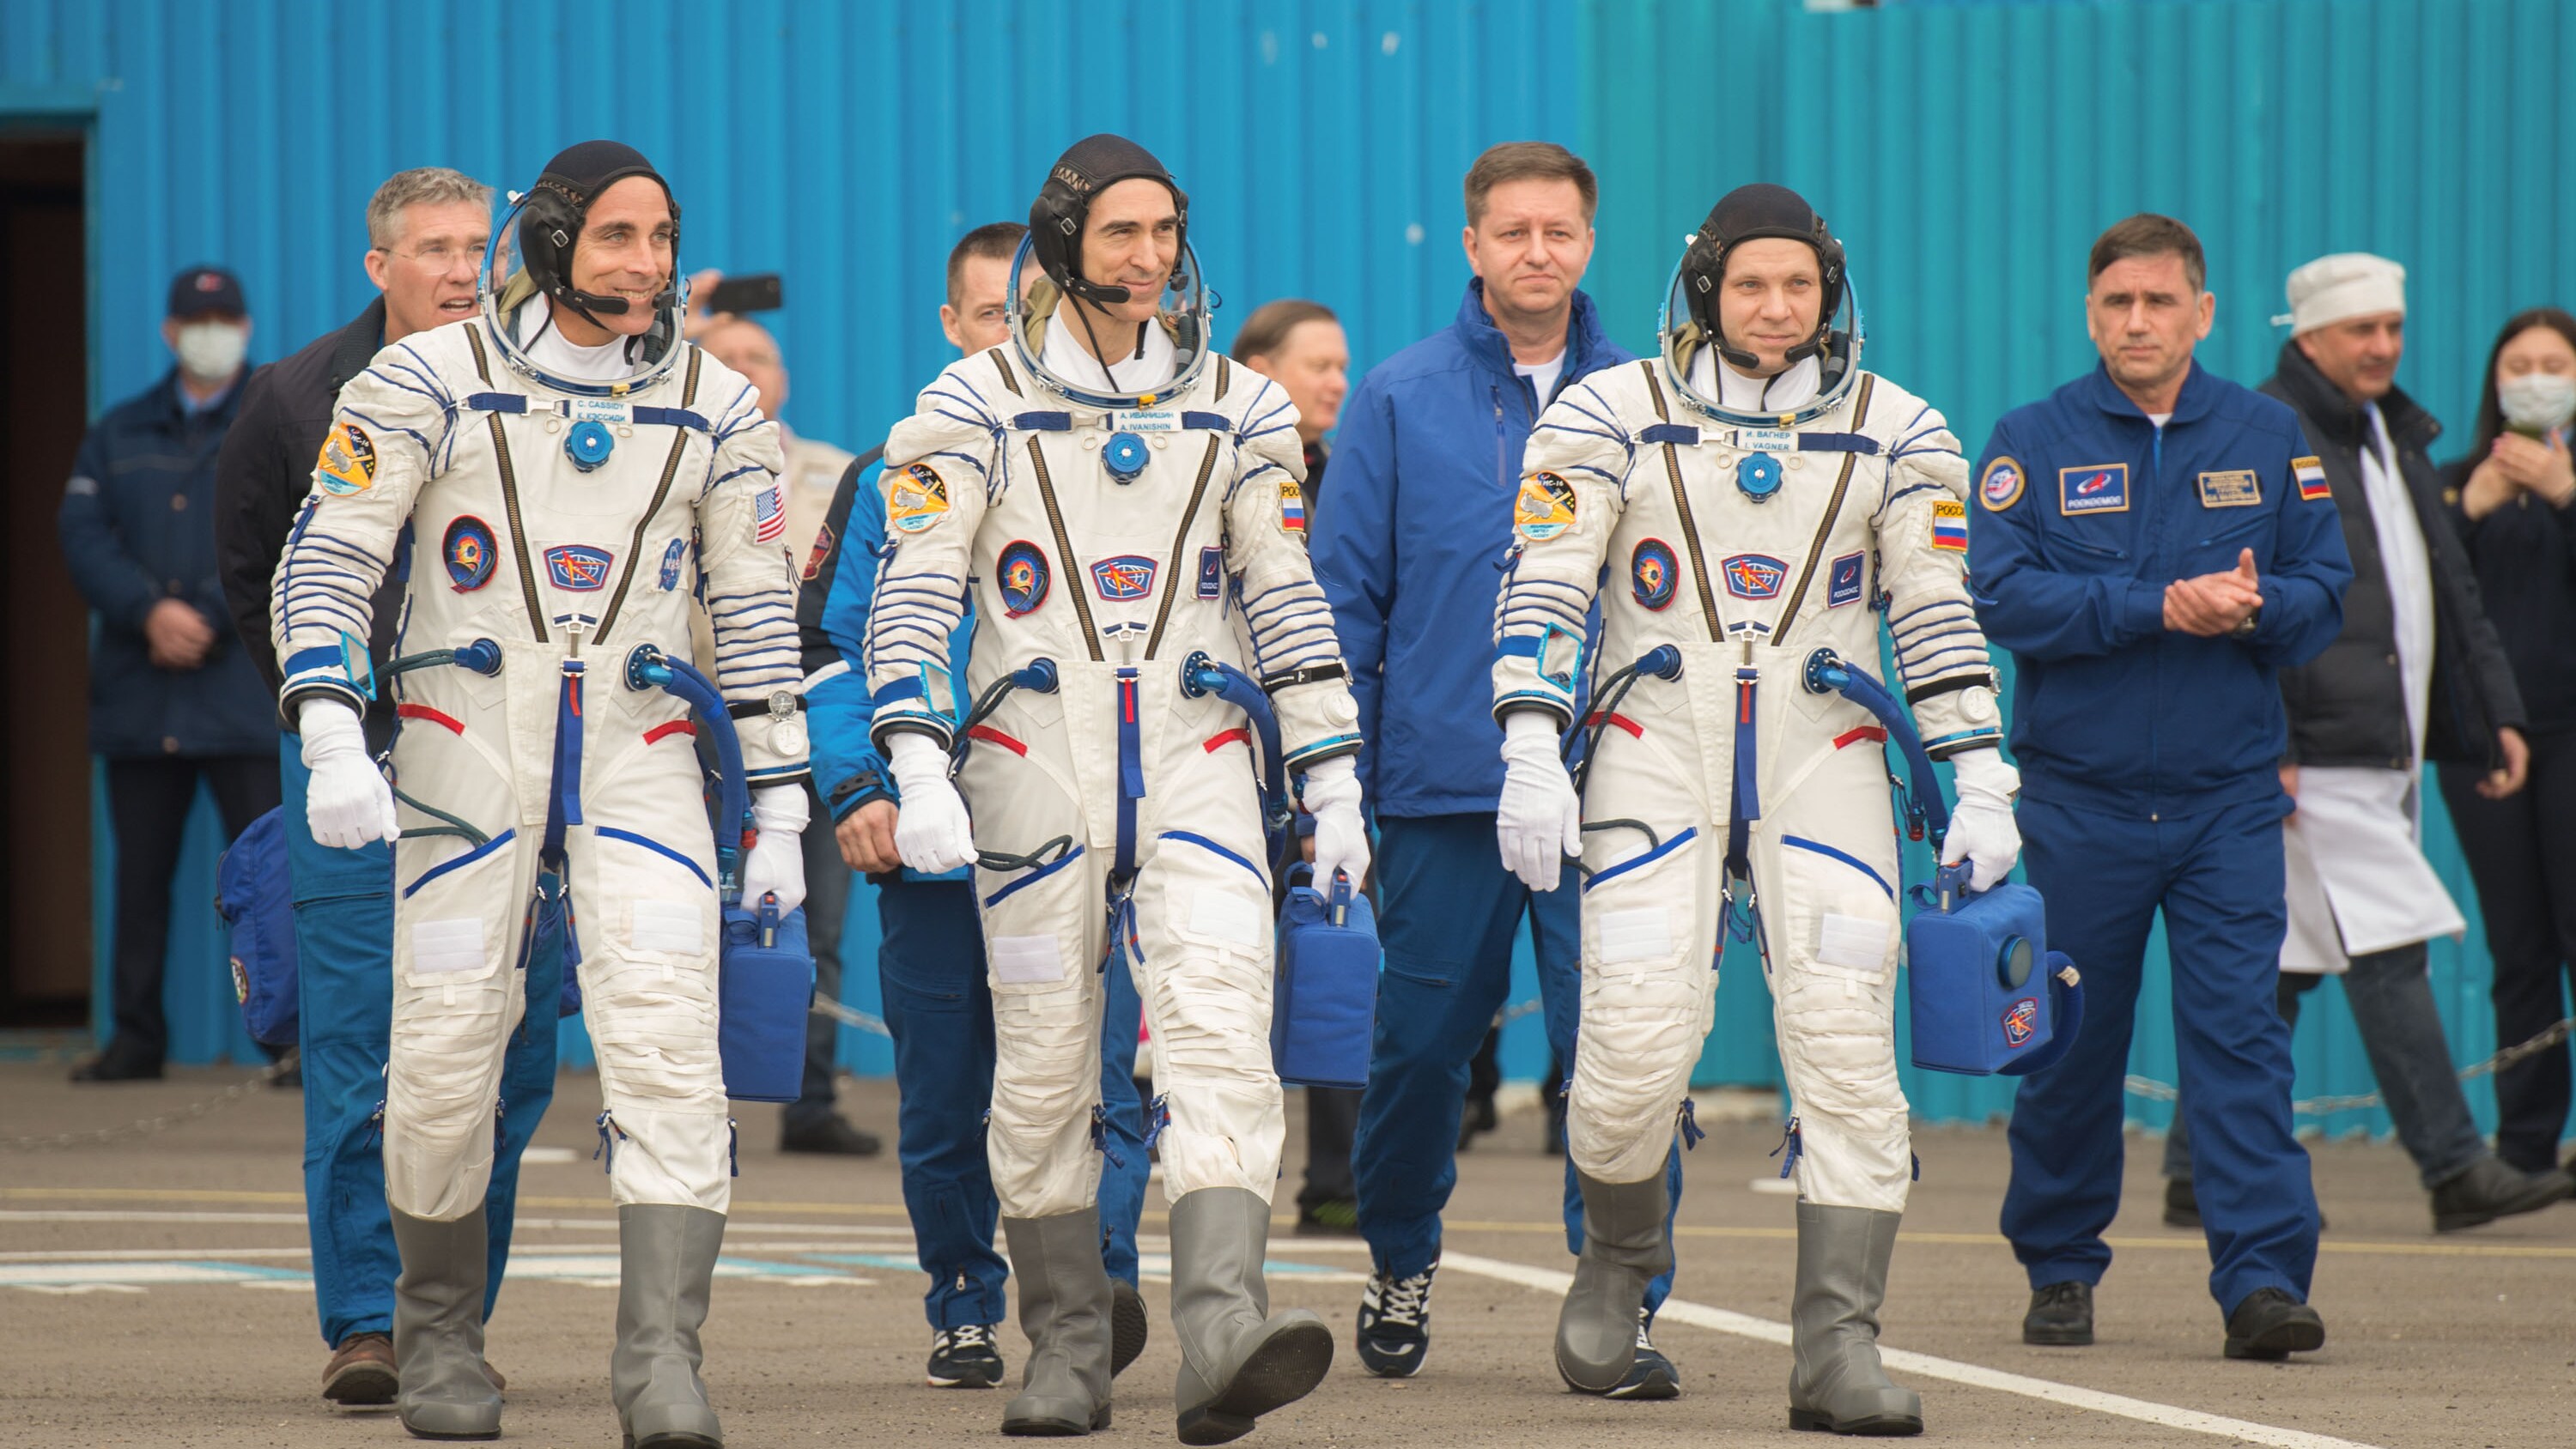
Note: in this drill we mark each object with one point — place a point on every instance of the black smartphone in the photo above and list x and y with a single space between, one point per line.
743 294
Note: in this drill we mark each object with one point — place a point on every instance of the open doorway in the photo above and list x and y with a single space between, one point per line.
44 754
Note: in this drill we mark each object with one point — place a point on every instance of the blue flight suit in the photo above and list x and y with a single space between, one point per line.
2149 781
1426 463
930 960
344 949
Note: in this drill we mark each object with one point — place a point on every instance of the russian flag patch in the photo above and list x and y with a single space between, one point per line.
2311 473
1950 525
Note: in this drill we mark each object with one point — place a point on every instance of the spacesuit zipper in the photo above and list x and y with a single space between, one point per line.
1816 550
1681 505
670 470
1064 550
1180 541
510 496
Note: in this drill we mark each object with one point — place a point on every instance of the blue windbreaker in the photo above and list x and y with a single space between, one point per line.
1425 465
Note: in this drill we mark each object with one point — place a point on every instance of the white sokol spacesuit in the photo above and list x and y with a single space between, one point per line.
553 528
1117 523
1742 523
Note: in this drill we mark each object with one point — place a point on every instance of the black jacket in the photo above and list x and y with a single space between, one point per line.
2525 554
135 532
2348 705
266 472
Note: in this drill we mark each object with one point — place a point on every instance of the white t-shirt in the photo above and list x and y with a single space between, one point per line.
558 356
2160 419
1543 376
1141 368
1783 391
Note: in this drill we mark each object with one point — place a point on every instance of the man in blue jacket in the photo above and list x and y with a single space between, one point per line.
930 958
1425 468
2155 544
172 701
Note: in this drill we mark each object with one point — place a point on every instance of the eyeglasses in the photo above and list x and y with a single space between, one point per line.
441 256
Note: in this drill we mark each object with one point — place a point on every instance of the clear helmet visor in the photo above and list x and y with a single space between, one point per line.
1691 361
505 290
1182 312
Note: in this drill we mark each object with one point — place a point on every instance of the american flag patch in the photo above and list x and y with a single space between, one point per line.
771 515
1950 525
2311 473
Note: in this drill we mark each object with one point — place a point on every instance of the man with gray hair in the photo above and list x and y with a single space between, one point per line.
426 230
2416 674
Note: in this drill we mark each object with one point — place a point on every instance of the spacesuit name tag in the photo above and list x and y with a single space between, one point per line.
596 410
1142 422
1766 440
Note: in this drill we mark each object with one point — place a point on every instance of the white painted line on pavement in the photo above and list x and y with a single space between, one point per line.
1745 1325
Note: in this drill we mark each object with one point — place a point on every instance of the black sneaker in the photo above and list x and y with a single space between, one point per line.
1395 1323
1652 1376
2182 1203
965 1358
2270 1325
1129 1326
118 1063
830 1135
2060 1316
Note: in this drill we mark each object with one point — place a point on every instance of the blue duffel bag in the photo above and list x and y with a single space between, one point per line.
255 894
1323 1008
1985 994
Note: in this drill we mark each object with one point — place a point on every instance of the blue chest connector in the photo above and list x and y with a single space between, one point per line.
1124 456
589 444
1759 477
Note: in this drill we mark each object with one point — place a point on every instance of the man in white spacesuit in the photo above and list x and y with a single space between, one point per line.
557 472
1119 501
1755 498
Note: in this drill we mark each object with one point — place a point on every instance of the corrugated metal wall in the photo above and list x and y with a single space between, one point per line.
1969 153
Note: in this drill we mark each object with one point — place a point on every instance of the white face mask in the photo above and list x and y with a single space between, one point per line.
2538 400
212 351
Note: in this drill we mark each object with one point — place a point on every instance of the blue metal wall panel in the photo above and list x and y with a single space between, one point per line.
845 146
1970 153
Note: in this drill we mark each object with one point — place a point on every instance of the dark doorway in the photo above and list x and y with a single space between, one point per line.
44 755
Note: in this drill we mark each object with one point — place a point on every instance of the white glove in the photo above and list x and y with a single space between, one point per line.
777 860
1982 830
931 831
1540 818
1331 794
346 802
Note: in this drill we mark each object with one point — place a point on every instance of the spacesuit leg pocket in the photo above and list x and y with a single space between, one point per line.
1833 932
454 1006
1203 918
1041 947
1649 938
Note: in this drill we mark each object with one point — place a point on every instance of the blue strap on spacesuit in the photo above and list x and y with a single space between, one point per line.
1748 795
1131 770
1203 675
1827 670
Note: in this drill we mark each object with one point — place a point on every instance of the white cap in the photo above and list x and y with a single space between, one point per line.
2346 284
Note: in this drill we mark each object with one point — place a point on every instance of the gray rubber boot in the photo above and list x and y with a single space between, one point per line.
1064 1309
666 1269
1625 1248
1837 1382
1238 1360
438 1329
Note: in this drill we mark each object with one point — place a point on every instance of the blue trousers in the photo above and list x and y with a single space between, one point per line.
1447 915
930 967
344 979
2217 876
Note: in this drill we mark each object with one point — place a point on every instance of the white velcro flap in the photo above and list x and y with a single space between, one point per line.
452 945
1027 959
1853 941
1226 917
670 926
1645 934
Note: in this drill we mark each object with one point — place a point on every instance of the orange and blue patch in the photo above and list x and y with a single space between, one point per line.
578 568
2311 473
1128 576
1653 573
468 552
1025 576
1754 575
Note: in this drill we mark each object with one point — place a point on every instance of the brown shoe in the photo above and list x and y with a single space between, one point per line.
361 1371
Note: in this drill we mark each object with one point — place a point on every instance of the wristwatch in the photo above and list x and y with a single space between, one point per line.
2246 626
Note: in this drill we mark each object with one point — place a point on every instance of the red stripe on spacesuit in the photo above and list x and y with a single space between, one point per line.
668 728
1216 742
422 711
1858 733
1744 703
1634 729
987 732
